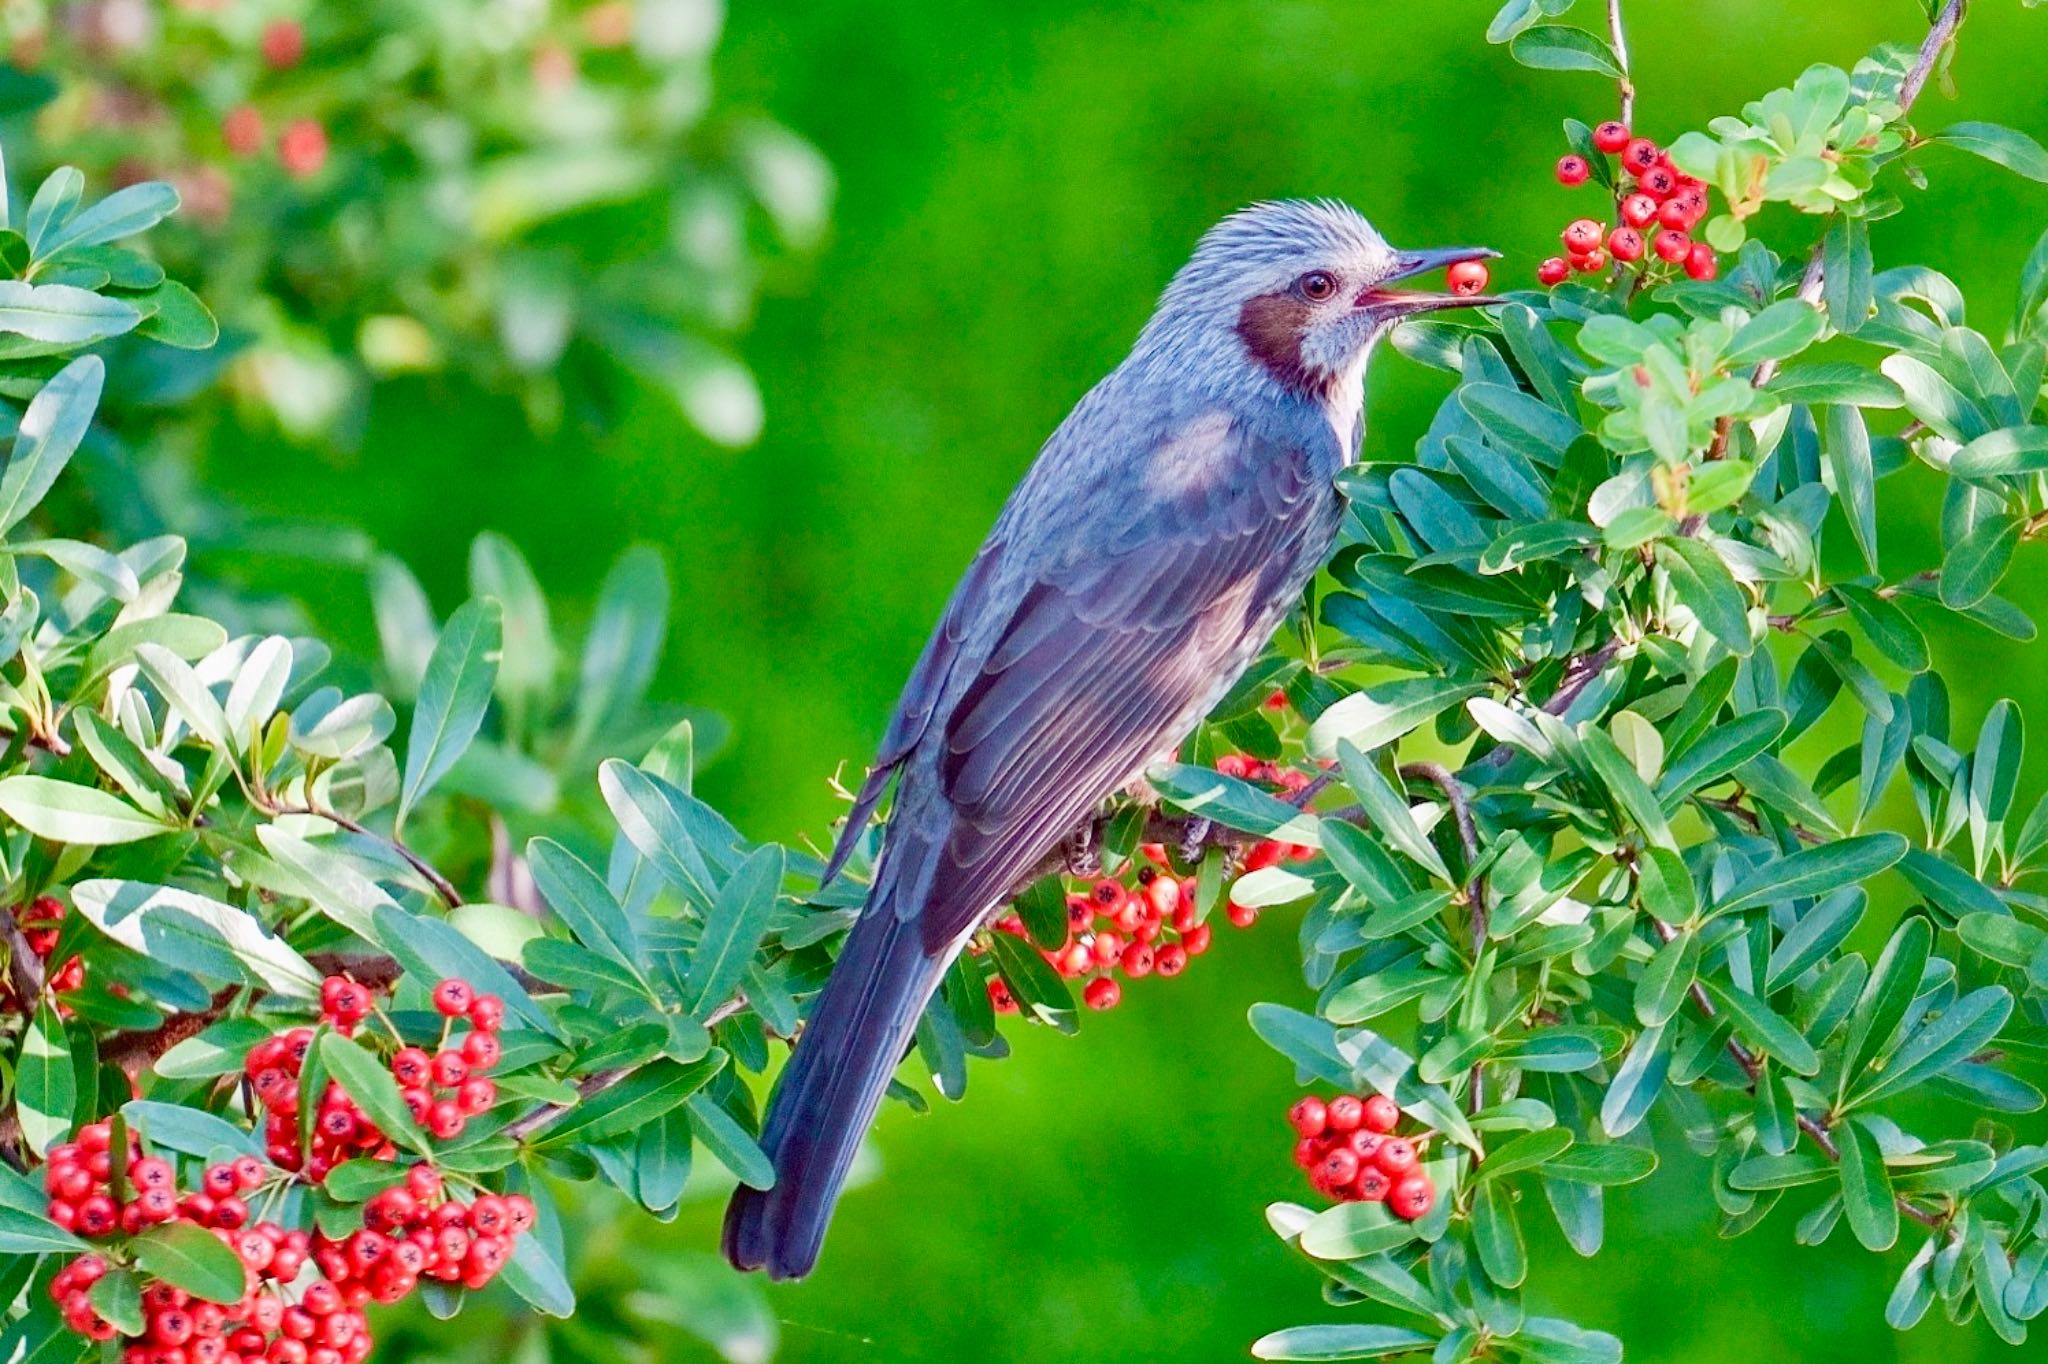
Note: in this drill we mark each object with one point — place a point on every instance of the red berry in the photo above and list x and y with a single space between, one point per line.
1170 960
1638 209
284 43
1638 154
487 1012
1196 940
1309 1116
1591 263
1466 278
1659 182
242 130
411 1066
1137 960
446 1120
1381 1113
1371 1186
1671 244
1163 894
1396 1156
522 1212
999 997
1102 993
1572 169
1611 136
1553 271
1307 1152
302 148
1337 1168
1241 916
248 1173
450 1069
1364 1143
481 1050
1583 235
452 998
1106 948
1410 1198
476 1095
1626 243
1346 1112
1701 262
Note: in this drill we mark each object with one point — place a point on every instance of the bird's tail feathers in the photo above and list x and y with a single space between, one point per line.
829 1092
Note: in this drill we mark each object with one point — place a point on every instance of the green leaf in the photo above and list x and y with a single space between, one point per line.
186 1255
733 929
1887 625
1307 1041
454 694
1764 1029
1703 584
1846 284
69 813
2002 453
47 435
1847 442
1976 563
1867 1201
368 1081
1813 871
729 1142
1232 803
1354 1340
1819 931
2004 146
528 660
1497 1236
1781 330
1893 982
1636 1084
1632 795
1834 381
1038 990
1526 1152
124 213
45 1080
434 949
28 1233
1962 1030
189 931
117 1297
180 319
1385 712
58 317
1602 1163
1388 811
1718 752
630 1104
582 901
537 1274
659 821
1352 1231
624 644
1559 47
192 1131
1662 988
187 695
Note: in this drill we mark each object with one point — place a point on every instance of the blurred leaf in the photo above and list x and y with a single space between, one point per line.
624 645
454 694
529 658
1357 1340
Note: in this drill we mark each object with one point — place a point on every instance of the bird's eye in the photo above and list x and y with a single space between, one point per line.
1317 285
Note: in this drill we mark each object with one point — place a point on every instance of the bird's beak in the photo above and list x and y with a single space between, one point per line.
1407 302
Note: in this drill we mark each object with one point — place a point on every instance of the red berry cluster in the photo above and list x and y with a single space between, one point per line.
444 1089
1114 928
1658 207
1351 1153
411 1231
40 924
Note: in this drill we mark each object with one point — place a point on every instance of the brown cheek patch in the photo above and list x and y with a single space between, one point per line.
1271 326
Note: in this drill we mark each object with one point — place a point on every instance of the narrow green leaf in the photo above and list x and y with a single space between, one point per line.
1813 871
2003 146
186 1255
1559 47
733 929
1867 1200
48 434
454 694
1705 587
1847 442
368 1081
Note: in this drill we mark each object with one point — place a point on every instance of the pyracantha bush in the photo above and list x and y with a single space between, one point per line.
526 196
1609 804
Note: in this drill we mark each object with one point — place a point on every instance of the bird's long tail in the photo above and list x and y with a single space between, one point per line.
828 1094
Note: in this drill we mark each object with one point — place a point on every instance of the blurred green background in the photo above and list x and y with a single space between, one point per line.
1017 180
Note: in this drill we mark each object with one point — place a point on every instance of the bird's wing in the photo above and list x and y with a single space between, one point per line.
1115 646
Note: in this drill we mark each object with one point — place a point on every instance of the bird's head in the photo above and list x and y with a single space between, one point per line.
1300 290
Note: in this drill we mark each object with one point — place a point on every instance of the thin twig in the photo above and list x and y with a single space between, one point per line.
441 884
1618 39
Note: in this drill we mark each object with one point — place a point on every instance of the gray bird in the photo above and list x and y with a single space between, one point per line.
1162 535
